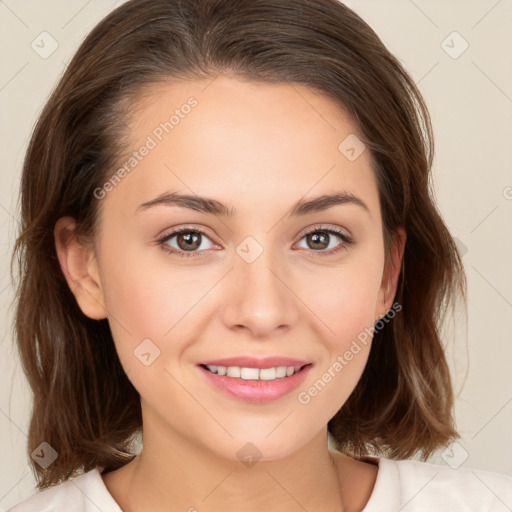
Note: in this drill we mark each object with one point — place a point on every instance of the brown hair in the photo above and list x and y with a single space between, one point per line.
84 405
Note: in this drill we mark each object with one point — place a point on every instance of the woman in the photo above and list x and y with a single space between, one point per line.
229 246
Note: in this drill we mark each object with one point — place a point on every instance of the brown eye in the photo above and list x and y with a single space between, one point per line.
323 241
187 241
318 239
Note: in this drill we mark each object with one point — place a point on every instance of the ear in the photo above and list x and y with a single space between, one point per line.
79 265
391 273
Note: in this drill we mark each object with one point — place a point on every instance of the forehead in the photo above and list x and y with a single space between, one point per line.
243 141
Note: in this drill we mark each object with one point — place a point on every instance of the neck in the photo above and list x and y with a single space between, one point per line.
176 475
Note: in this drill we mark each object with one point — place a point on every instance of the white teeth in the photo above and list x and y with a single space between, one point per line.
233 371
254 373
248 373
266 373
281 372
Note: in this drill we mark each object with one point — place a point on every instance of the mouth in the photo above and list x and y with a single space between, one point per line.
254 384
250 373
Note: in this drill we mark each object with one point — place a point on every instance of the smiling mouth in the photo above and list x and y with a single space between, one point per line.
244 373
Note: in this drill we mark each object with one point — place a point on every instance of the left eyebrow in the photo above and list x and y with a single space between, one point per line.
214 207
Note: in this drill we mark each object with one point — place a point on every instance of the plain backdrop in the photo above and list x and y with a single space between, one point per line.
458 52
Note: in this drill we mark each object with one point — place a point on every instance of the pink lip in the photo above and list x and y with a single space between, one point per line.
256 391
253 362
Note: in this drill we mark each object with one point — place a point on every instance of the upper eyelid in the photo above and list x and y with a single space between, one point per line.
175 231
326 227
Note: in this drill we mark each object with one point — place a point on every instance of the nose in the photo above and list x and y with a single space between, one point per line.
260 297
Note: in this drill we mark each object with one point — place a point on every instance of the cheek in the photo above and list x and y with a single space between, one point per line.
151 320
147 296
150 309
344 298
346 305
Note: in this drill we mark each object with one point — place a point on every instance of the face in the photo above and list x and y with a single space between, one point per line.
184 286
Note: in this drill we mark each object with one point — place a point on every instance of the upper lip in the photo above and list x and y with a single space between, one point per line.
254 362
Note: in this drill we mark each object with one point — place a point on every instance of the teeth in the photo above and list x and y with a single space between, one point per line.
281 371
233 371
254 373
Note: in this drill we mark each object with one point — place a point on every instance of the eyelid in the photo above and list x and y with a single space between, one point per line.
324 227
186 227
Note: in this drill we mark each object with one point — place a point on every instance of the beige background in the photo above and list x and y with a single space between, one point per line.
470 100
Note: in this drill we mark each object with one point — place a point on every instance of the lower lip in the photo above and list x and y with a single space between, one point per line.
256 391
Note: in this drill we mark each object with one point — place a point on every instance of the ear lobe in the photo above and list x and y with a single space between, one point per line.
390 279
79 266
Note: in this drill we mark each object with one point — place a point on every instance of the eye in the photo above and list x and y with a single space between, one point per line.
187 241
320 238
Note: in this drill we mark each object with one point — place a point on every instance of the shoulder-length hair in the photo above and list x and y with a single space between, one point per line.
84 406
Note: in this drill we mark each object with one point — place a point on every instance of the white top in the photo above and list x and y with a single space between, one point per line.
405 486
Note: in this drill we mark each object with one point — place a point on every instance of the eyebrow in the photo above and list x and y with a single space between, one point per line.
214 207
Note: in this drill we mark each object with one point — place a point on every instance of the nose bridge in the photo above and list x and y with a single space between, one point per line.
259 297
261 276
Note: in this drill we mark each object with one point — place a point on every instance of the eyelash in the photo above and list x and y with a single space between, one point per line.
347 241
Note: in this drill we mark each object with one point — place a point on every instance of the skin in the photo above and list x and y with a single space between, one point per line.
260 148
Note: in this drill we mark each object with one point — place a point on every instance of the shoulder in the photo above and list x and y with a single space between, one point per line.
417 486
84 493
